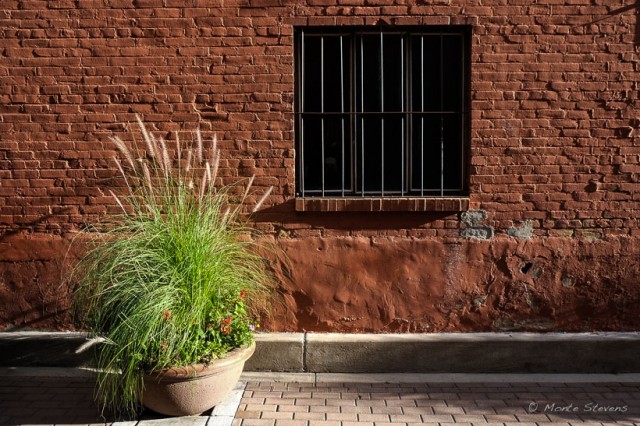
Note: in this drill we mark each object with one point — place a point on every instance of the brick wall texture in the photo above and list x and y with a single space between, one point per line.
555 157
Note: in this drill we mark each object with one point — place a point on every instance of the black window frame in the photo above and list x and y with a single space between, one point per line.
353 181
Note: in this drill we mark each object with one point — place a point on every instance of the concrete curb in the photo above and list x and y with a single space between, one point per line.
438 378
551 353
49 372
252 376
474 353
448 353
46 349
473 378
278 352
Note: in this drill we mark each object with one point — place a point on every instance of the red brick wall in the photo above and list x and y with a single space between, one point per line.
554 142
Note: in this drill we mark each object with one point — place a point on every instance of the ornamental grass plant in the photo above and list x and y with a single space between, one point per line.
175 280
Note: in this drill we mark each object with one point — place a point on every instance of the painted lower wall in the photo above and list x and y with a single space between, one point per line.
388 284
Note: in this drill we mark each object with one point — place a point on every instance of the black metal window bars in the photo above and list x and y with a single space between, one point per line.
382 112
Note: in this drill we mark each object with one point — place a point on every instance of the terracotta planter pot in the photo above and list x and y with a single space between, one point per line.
186 391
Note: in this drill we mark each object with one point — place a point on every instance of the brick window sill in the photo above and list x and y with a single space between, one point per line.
380 204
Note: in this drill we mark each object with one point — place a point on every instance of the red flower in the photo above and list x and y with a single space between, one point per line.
225 327
166 315
243 293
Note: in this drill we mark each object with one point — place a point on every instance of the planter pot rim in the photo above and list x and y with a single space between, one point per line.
195 371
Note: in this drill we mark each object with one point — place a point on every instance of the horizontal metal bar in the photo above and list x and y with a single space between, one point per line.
386 33
436 190
381 113
393 191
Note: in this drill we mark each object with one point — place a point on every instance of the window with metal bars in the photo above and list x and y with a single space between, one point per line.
382 112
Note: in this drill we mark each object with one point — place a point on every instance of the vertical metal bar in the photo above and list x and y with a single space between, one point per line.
463 105
353 102
342 110
302 164
382 110
322 109
422 115
441 115
402 141
362 110
441 154
409 113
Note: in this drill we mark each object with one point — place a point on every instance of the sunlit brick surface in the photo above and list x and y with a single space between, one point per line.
61 400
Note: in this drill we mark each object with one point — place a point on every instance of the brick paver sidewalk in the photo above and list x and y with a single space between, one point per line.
47 400
62 400
406 404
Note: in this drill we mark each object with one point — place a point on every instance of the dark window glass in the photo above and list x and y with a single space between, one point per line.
452 73
312 96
